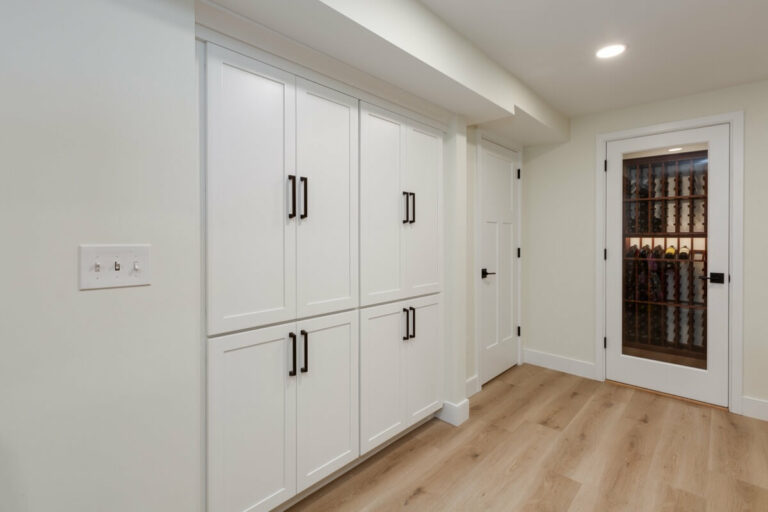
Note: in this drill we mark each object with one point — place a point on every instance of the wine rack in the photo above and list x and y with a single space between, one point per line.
665 258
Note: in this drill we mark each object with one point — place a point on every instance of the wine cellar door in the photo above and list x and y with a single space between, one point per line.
667 267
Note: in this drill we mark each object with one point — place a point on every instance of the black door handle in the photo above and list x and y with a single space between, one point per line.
413 334
292 335
407 323
484 273
305 182
407 208
292 179
714 277
413 210
305 368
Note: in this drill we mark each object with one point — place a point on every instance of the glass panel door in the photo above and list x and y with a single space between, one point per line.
664 268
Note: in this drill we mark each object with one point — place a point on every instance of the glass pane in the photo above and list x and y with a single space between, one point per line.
665 257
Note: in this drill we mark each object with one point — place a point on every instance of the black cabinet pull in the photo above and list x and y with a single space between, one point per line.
413 209
305 368
292 179
292 335
407 208
407 323
413 334
305 182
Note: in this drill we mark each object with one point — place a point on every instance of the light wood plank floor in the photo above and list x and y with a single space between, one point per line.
540 440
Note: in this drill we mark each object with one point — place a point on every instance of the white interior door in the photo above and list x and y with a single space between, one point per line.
422 180
251 237
383 332
327 431
423 359
251 420
327 164
496 306
667 268
382 205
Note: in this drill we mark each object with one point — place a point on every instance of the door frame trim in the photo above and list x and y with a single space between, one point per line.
480 139
736 241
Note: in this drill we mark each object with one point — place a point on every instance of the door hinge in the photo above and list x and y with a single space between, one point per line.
518 252
518 331
605 254
518 174
605 342
605 165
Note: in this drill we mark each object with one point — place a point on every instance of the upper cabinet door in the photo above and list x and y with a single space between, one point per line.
251 420
251 232
327 425
423 180
327 170
382 205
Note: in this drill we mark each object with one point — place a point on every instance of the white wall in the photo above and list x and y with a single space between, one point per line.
100 391
559 227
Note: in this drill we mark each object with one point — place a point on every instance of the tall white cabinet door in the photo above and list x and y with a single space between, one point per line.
327 422
382 382
251 420
423 180
423 359
251 241
382 205
327 166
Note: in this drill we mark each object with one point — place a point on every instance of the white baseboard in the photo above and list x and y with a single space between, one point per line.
473 385
754 407
455 414
560 363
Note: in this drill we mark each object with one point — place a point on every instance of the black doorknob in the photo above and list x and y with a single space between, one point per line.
484 273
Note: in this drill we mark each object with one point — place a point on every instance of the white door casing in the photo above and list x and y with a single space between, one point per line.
706 385
497 240
251 241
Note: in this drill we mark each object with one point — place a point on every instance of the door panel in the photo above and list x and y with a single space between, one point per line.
423 359
497 254
327 405
424 157
252 420
382 382
251 241
327 165
382 205
667 327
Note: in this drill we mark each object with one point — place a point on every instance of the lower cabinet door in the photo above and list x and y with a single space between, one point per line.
423 359
382 386
327 424
251 420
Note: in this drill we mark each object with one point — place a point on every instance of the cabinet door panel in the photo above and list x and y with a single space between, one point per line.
252 420
328 425
423 172
327 159
251 242
382 406
382 205
423 360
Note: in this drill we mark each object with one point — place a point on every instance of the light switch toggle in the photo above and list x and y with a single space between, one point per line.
94 274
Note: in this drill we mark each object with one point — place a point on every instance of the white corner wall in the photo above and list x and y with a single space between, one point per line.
101 391
559 227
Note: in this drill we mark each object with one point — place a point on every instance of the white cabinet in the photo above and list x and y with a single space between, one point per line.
401 378
282 189
283 410
400 196
251 148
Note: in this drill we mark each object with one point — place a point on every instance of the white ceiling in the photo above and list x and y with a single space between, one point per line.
675 47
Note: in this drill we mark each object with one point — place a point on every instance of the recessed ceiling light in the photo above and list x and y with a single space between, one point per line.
672 150
610 51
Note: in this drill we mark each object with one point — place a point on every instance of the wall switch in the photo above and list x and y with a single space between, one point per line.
114 266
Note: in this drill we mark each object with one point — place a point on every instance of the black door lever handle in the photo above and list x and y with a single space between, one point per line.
484 273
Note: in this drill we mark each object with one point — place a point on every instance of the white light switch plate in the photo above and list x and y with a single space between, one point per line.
114 266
